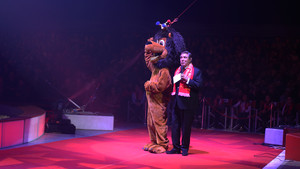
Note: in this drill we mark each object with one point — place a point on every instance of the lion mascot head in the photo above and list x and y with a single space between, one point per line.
163 50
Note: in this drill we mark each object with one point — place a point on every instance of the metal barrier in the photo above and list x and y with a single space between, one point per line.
225 117
212 116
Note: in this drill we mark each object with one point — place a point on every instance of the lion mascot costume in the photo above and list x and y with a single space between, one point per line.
161 55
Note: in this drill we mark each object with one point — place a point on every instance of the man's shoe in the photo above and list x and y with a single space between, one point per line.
173 151
184 152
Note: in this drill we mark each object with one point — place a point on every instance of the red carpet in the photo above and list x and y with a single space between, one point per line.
123 149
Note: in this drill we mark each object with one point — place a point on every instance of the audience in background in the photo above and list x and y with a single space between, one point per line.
243 111
35 66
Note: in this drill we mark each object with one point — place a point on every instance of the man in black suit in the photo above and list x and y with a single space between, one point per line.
187 81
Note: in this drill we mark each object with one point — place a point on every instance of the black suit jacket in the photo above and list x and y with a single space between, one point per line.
189 103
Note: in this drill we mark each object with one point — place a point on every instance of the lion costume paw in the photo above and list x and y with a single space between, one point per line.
148 146
157 149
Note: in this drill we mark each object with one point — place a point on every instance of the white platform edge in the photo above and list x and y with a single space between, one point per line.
276 162
91 122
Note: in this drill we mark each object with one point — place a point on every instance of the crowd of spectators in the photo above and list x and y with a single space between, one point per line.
263 69
44 67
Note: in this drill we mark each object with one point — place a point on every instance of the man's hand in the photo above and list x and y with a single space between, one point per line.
184 78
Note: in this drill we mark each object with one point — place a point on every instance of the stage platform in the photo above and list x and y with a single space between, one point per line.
26 124
221 150
10 155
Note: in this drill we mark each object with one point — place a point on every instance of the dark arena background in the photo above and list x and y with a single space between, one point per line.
86 57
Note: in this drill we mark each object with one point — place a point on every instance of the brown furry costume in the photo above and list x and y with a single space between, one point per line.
161 53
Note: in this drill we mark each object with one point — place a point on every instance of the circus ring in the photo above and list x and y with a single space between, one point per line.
25 124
